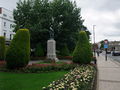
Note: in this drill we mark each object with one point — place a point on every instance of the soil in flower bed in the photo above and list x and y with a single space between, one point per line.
44 58
27 81
65 57
2 63
50 63
37 58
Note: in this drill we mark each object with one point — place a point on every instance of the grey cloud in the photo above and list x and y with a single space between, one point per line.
112 34
102 5
110 29
8 4
117 26
110 5
107 27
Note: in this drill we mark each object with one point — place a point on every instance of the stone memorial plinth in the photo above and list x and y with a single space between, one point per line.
51 50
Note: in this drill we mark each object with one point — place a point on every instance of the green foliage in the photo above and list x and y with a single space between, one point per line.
82 53
39 50
86 30
34 15
63 16
38 69
102 44
64 51
22 14
6 48
18 53
2 48
42 67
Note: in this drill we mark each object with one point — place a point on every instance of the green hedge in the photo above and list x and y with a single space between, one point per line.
18 53
39 50
2 48
41 68
35 69
82 53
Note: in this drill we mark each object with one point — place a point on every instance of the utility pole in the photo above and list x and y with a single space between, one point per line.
94 39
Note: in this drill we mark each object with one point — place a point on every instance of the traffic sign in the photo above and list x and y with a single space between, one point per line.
105 45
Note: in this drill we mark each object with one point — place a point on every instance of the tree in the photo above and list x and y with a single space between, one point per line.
82 53
18 53
84 28
64 51
2 48
102 44
66 21
22 15
39 16
33 15
39 50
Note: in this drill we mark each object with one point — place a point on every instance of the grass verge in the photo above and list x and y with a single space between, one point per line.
27 81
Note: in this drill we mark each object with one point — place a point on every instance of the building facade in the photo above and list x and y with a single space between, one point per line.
6 24
114 45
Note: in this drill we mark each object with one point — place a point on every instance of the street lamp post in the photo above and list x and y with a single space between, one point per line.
94 39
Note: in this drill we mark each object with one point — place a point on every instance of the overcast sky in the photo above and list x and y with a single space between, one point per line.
105 14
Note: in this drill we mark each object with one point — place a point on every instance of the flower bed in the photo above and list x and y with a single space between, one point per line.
80 78
65 57
44 64
38 68
44 58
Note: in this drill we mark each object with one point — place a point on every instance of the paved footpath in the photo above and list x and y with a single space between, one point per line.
108 74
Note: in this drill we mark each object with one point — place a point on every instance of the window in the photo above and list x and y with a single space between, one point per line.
10 26
0 10
4 24
4 15
10 36
4 34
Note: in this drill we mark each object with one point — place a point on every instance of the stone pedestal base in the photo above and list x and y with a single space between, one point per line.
51 50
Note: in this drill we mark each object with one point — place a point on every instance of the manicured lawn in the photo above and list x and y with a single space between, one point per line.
27 81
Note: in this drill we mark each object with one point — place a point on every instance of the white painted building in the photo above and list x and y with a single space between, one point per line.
6 23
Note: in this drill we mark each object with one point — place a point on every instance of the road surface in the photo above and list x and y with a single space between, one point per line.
116 58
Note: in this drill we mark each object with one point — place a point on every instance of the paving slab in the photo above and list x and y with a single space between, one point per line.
108 74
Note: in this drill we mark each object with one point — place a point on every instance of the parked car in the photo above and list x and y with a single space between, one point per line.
116 53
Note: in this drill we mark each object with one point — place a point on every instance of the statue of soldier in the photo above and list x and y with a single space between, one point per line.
51 32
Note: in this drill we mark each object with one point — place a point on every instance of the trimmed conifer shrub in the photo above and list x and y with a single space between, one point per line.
18 53
82 53
64 51
39 50
2 48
